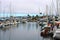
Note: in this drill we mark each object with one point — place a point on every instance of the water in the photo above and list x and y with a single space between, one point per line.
28 31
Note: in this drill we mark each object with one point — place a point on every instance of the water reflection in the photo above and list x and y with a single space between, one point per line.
28 31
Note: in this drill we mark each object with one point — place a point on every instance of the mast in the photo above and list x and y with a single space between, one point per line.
3 12
57 8
39 10
52 8
10 19
0 8
47 13
53 13
10 9
50 11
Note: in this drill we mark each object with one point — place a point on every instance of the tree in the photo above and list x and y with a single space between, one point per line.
40 13
37 16
56 18
29 16
33 16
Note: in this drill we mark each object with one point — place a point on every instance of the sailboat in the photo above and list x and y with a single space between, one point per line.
1 18
46 28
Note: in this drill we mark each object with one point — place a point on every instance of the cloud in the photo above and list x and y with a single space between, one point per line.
25 5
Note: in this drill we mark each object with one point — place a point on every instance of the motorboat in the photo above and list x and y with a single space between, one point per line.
45 31
1 25
56 35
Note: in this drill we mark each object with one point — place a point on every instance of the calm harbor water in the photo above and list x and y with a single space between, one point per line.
28 31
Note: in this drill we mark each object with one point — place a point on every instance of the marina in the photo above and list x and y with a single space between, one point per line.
28 31
29 20
40 29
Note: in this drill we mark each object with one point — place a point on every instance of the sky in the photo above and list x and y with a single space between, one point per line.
24 6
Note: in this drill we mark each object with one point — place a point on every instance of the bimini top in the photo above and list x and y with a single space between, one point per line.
57 22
